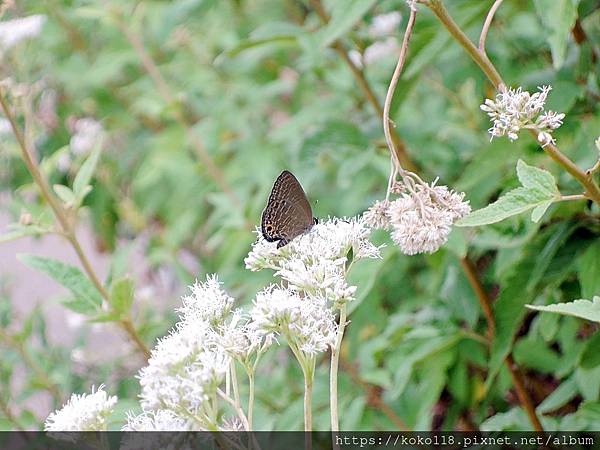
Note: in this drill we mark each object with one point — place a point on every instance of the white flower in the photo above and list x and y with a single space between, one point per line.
385 24
380 50
208 302
516 109
315 262
85 412
184 370
159 420
87 133
5 127
377 215
306 322
240 340
421 221
16 30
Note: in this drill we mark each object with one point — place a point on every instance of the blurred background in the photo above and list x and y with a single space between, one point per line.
195 106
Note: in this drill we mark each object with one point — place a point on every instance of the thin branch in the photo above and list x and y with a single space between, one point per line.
64 220
39 373
165 92
9 415
365 87
481 59
517 378
394 82
486 25
373 395
566 198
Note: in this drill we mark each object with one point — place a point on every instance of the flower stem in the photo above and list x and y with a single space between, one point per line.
64 220
333 373
250 400
308 387
481 59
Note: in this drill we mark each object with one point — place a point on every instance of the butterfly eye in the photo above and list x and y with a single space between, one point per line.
268 228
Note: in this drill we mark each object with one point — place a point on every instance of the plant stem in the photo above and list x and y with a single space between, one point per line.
39 373
486 25
165 92
251 400
392 86
66 224
308 387
364 86
373 394
481 59
333 373
517 378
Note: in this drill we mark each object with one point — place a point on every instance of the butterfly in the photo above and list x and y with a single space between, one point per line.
288 213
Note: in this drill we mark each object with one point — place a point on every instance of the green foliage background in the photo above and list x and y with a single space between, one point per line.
259 84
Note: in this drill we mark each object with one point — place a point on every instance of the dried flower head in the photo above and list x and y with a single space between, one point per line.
516 109
377 215
422 220
85 412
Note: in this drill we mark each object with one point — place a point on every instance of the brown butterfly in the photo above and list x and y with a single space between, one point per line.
288 213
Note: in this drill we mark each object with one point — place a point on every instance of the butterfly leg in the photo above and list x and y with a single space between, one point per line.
282 242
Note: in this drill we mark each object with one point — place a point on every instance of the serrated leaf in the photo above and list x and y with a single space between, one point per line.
121 296
84 176
536 178
344 15
538 192
584 309
65 194
87 297
558 17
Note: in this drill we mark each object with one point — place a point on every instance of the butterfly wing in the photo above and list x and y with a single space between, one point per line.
288 213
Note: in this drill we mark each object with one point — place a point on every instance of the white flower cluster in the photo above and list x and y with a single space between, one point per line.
307 322
85 412
16 30
315 262
188 366
516 109
421 219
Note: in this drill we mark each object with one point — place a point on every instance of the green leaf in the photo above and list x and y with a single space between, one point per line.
590 357
81 307
534 178
87 297
558 18
121 296
561 395
538 192
539 211
589 271
84 176
583 309
345 14
65 194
